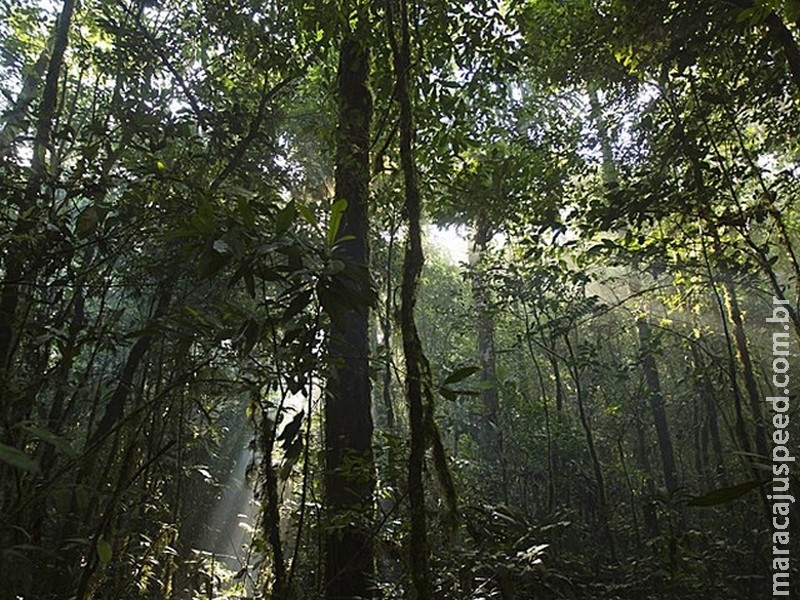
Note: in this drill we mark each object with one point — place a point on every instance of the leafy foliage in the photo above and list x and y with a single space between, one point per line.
172 269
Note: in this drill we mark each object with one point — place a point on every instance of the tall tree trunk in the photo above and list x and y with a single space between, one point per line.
648 507
742 436
16 122
657 407
691 152
349 461
743 356
489 431
610 179
23 249
705 395
271 521
661 423
386 329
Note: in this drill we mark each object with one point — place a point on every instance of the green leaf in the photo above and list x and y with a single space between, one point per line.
246 212
248 336
460 375
297 304
345 238
290 430
203 221
17 458
791 10
104 551
448 394
82 497
307 214
250 283
58 442
293 453
745 14
724 495
285 218
337 212
87 221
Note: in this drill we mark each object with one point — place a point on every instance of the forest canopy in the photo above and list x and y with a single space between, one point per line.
238 361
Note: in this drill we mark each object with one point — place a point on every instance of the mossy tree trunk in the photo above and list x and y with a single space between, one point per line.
349 461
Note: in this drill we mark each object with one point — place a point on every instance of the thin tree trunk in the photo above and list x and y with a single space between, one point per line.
648 508
551 475
490 433
271 519
559 384
783 234
596 467
741 430
661 423
657 407
743 355
705 395
386 330
631 493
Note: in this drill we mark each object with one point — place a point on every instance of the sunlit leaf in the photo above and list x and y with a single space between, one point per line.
337 213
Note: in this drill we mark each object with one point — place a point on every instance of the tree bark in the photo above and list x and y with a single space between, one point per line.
386 330
705 395
485 343
743 355
784 38
657 407
349 462
602 499
651 528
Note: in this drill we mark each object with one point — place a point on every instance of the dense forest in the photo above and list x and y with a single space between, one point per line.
399 299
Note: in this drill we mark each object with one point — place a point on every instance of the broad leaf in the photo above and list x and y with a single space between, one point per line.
104 552
17 458
460 375
337 213
724 495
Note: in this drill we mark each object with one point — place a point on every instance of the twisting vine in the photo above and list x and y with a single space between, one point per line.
418 375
